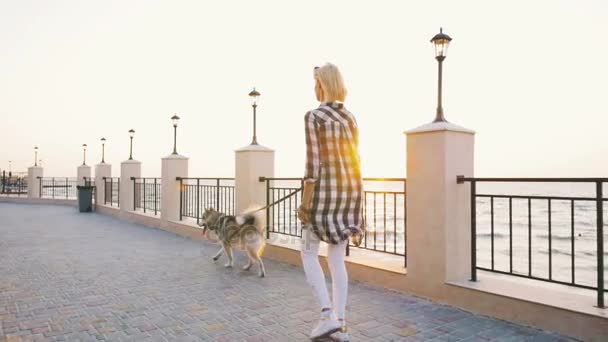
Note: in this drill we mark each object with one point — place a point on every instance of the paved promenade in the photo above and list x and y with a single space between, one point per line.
66 276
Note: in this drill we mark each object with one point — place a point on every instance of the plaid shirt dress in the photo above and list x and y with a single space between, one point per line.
332 160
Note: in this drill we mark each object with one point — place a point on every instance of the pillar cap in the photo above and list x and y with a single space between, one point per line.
254 148
35 167
438 127
133 161
84 167
175 156
102 164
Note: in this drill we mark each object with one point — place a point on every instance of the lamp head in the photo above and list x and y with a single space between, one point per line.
254 95
441 41
175 120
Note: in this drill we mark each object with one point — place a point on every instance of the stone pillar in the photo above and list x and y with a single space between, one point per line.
251 163
34 173
438 209
172 166
82 172
128 169
101 170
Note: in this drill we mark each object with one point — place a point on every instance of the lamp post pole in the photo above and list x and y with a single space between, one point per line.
255 138
103 150
36 156
84 154
174 139
439 116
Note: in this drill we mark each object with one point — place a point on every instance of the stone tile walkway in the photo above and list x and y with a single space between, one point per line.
66 276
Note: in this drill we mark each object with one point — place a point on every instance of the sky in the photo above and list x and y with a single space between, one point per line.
528 76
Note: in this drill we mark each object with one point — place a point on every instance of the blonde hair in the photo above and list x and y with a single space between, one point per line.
332 83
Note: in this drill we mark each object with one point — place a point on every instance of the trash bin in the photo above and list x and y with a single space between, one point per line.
85 198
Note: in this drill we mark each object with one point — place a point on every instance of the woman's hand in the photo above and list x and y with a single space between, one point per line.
304 214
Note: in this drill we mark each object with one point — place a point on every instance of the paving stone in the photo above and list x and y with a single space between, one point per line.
87 277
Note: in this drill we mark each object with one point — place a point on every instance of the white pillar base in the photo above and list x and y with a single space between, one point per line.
128 169
438 209
82 172
173 166
34 173
101 170
251 163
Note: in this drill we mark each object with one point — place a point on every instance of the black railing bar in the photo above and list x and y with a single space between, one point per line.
263 179
557 198
539 278
203 178
600 244
384 192
279 189
376 179
462 179
367 192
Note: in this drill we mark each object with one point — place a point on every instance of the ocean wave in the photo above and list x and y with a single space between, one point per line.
555 251
555 237
489 235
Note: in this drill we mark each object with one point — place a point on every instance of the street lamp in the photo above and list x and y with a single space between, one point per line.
253 95
84 154
35 155
103 150
131 134
441 42
175 120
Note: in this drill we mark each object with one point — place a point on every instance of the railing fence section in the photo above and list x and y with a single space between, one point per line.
147 194
557 238
111 191
58 187
13 183
89 181
200 193
384 212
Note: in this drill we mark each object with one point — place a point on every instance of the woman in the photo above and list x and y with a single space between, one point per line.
331 204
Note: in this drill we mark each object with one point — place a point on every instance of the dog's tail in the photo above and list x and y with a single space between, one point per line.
253 217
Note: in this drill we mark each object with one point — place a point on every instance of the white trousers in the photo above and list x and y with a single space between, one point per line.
316 278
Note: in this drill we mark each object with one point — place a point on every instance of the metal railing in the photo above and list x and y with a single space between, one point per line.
384 212
551 238
146 194
196 194
13 184
57 187
111 191
89 181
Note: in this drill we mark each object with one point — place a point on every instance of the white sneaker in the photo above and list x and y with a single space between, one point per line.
326 327
340 335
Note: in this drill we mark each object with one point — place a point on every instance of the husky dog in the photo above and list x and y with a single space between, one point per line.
232 230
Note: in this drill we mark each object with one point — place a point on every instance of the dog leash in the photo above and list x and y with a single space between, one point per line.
273 203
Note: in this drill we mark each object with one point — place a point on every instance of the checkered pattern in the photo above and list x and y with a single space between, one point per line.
332 159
